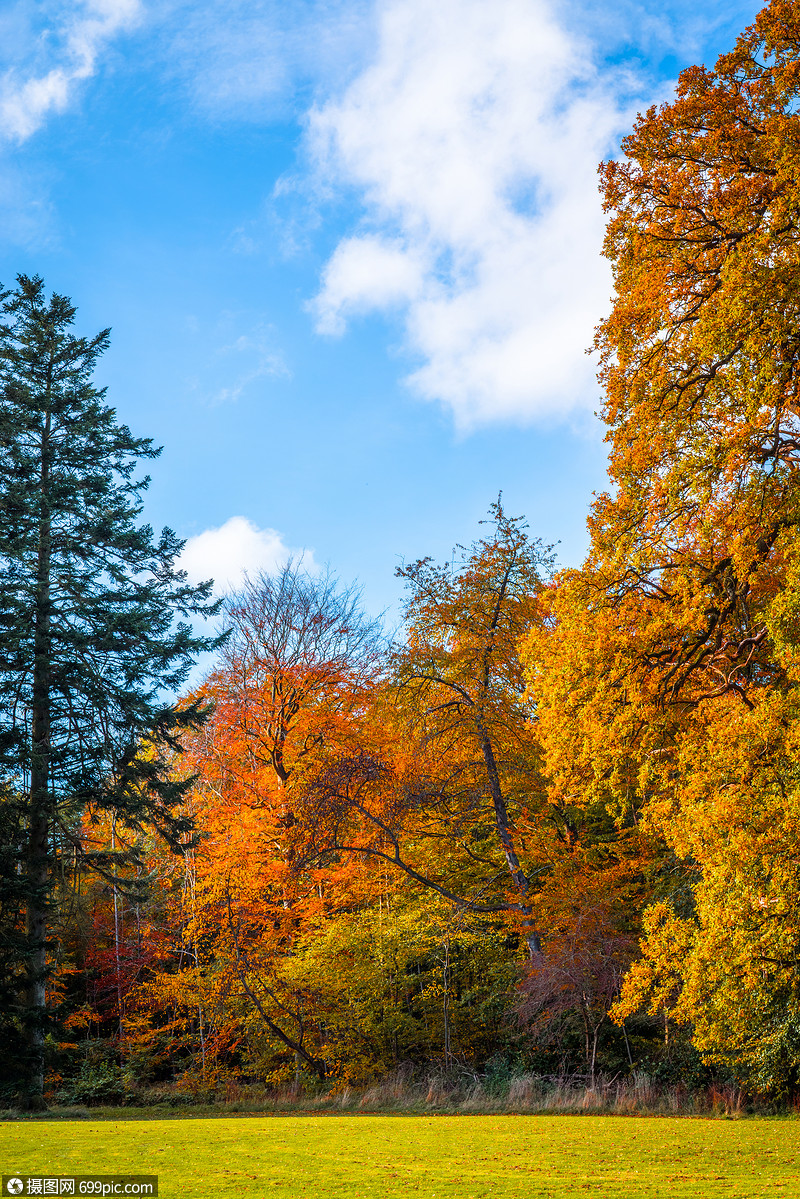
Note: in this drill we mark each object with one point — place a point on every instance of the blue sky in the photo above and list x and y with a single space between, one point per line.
349 251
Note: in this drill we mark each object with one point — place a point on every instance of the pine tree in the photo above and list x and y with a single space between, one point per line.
94 637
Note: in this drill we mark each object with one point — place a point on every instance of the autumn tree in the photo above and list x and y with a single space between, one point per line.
461 673
289 693
88 607
665 677
572 987
440 803
299 656
338 794
700 366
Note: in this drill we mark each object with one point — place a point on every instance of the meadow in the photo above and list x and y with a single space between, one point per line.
440 1157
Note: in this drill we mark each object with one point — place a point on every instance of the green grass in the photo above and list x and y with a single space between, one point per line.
449 1157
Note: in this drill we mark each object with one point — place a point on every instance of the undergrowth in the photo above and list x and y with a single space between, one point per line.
457 1090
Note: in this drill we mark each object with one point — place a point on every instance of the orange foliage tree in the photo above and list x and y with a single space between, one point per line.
447 801
276 969
666 679
295 674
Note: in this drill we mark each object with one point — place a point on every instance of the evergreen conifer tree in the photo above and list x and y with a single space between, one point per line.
94 636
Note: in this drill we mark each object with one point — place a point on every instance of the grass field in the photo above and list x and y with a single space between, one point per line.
446 1157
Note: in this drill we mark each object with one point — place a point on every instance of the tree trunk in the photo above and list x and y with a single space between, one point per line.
117 928
446 1002
39 800
36 929
595 1035
586 1042
501 820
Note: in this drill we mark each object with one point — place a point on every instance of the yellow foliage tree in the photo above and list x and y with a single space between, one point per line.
665 679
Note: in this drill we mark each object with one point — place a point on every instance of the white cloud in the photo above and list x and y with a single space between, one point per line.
236 548
255 348
28 97
473 140
367 273
247 58
236 353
